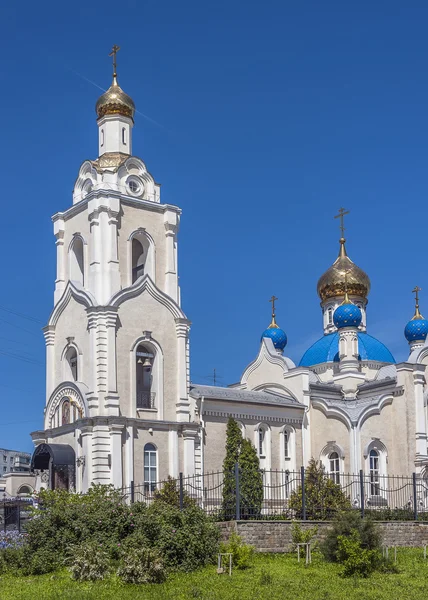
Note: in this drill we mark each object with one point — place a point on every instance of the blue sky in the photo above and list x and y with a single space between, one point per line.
265 118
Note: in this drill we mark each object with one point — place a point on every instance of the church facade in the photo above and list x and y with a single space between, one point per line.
120 406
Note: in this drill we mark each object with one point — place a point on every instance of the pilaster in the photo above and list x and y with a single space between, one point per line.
49 333
183 405
171 227
116 454
60 259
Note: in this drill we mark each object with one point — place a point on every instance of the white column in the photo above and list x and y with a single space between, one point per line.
49 333
92 396
348 350
171 283
116 455
111 136
112 397
173 453
421 433
95 282
129 455
354 455
101 448
112 253
60 260
86 468
189 452
183 404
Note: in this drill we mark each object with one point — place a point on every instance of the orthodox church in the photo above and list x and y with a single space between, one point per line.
120 406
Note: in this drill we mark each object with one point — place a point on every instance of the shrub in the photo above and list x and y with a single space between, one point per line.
300 535
11 539
141 565
242 554
323 497
170 494
345 525
90 562
355 559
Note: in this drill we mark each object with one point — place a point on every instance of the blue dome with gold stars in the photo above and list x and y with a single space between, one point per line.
416 330
277 335
347 315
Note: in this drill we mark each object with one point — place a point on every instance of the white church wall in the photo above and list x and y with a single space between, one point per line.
78 224
159 438
326 429
131 220
72 323
136 315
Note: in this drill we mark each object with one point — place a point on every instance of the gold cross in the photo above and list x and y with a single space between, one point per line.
113 53
416 291
342 213
272 300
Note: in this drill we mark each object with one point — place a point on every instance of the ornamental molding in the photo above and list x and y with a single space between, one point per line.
352 413
267 352
146 284
76 392
249 417
72 290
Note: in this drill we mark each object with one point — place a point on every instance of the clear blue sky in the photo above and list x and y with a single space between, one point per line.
271 116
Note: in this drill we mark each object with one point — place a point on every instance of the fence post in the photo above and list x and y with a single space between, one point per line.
302 477
132 492
181 491
363 500
238 499
415 505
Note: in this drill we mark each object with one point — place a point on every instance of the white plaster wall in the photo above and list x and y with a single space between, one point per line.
326 429
160 439
137 315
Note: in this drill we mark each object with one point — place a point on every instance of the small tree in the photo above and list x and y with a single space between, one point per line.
323 497
233 448
251 481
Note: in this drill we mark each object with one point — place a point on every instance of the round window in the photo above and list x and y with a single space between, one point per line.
135 186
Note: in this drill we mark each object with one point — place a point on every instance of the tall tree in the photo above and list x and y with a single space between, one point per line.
251 481
233 448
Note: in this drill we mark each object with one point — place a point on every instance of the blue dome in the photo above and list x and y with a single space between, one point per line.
277 335
416 329
347 315
326 350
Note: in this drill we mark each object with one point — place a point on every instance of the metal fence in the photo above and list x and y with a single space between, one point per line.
294 495
14 513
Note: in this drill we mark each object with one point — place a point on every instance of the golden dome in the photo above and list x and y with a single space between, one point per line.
332 283
115 102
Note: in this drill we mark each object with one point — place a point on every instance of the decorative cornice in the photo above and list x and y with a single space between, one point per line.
257 418
71 291
352 412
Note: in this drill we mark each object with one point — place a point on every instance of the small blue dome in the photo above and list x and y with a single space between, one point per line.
416 330
347 315
277 335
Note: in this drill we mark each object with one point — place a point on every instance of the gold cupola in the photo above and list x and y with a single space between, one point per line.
114 101
332 283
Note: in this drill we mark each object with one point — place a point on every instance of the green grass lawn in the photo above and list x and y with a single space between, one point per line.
273 577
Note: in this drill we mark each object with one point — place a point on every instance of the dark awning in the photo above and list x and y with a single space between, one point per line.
61 455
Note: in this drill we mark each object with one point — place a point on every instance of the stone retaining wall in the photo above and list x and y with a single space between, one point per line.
275 536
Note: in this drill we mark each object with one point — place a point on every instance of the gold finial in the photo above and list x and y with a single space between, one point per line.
417 314
273 325
113 53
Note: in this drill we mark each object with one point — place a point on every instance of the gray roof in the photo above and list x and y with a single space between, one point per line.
233 394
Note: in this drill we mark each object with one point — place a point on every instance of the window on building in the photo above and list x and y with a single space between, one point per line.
4 458
150 468
71 358
374 473
262 440
76 260
137 260
11 460
124 136
144 377
102 137
334 461
286 444
330 316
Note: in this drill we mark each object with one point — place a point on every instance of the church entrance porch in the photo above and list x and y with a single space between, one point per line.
54 466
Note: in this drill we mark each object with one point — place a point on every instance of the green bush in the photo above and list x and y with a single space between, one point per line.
170 494
300 535
356 560
242 554
323 498
90 562
345 525
141 565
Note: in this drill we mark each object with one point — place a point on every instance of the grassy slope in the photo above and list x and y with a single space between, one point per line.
289 580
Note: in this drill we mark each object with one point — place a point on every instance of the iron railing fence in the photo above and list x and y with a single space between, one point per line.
293 495
14 513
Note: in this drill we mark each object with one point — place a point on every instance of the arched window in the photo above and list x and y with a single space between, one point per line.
374 469
334 464
144 377
65 412
25 490
286 436
76 260
71 358
102 137
150 468
330 316
138 259
262 442
124 136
